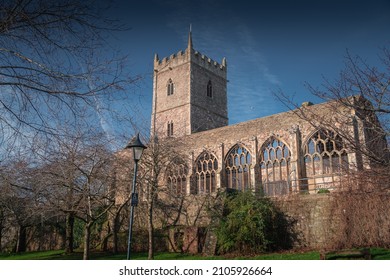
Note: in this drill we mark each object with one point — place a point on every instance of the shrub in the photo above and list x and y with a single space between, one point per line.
252 224
323 191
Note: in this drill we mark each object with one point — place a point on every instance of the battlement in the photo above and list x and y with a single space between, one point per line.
208 62
190 55
170 61
182 57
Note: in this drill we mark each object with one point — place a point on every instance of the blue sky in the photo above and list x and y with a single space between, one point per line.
268 44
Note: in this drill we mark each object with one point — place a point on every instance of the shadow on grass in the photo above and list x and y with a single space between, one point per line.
78 255
376 253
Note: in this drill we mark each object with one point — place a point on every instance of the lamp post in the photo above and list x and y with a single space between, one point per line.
138 148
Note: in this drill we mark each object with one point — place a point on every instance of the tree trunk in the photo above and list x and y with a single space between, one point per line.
1 235
1 229
69 236
87 237
150 231
115 230
22 240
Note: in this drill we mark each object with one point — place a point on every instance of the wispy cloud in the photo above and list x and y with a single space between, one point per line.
218 33
249 97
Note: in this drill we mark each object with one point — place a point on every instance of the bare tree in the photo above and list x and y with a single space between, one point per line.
77 182
166 203
95 177
55 76
151 186
358 110
20 199
53 67
360 97
59 173
120 191
156 158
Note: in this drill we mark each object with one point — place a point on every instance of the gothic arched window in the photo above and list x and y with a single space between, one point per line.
238 164
275 167
206 166
325 158
209 89
176 177
325 153
170 87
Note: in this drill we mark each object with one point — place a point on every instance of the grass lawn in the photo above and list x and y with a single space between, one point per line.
377 254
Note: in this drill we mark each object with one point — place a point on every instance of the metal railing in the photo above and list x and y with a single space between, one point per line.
303 185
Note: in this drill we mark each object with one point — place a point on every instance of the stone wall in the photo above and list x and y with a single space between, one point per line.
191 225
339 220
208 112
311 217
320 222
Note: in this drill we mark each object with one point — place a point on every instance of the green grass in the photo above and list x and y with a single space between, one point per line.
377 254
380 254
60 255
357 254
289 256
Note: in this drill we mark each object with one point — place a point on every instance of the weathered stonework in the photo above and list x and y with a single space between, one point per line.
285 156
191 105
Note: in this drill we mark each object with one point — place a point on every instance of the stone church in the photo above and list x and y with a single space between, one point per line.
278 155
312 149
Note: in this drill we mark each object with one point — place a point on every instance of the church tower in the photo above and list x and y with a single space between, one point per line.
189 94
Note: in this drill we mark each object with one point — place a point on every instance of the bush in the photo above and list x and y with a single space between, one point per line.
323 191
252 224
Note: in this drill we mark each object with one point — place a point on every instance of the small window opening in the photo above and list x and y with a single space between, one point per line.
170 87
209 89
170 129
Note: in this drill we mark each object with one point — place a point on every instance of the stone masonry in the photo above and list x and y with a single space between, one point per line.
277 155
188 74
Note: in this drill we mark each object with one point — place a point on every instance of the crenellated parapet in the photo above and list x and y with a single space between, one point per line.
195 57
208 63
170 61
190 55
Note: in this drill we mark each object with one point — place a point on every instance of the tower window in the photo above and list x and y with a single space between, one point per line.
170 87
209 89
170 129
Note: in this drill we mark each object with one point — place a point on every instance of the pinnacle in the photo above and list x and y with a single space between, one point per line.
190 45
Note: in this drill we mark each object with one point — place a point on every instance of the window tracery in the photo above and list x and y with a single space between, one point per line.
275 167
238 164
325 153
205 173
176 176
